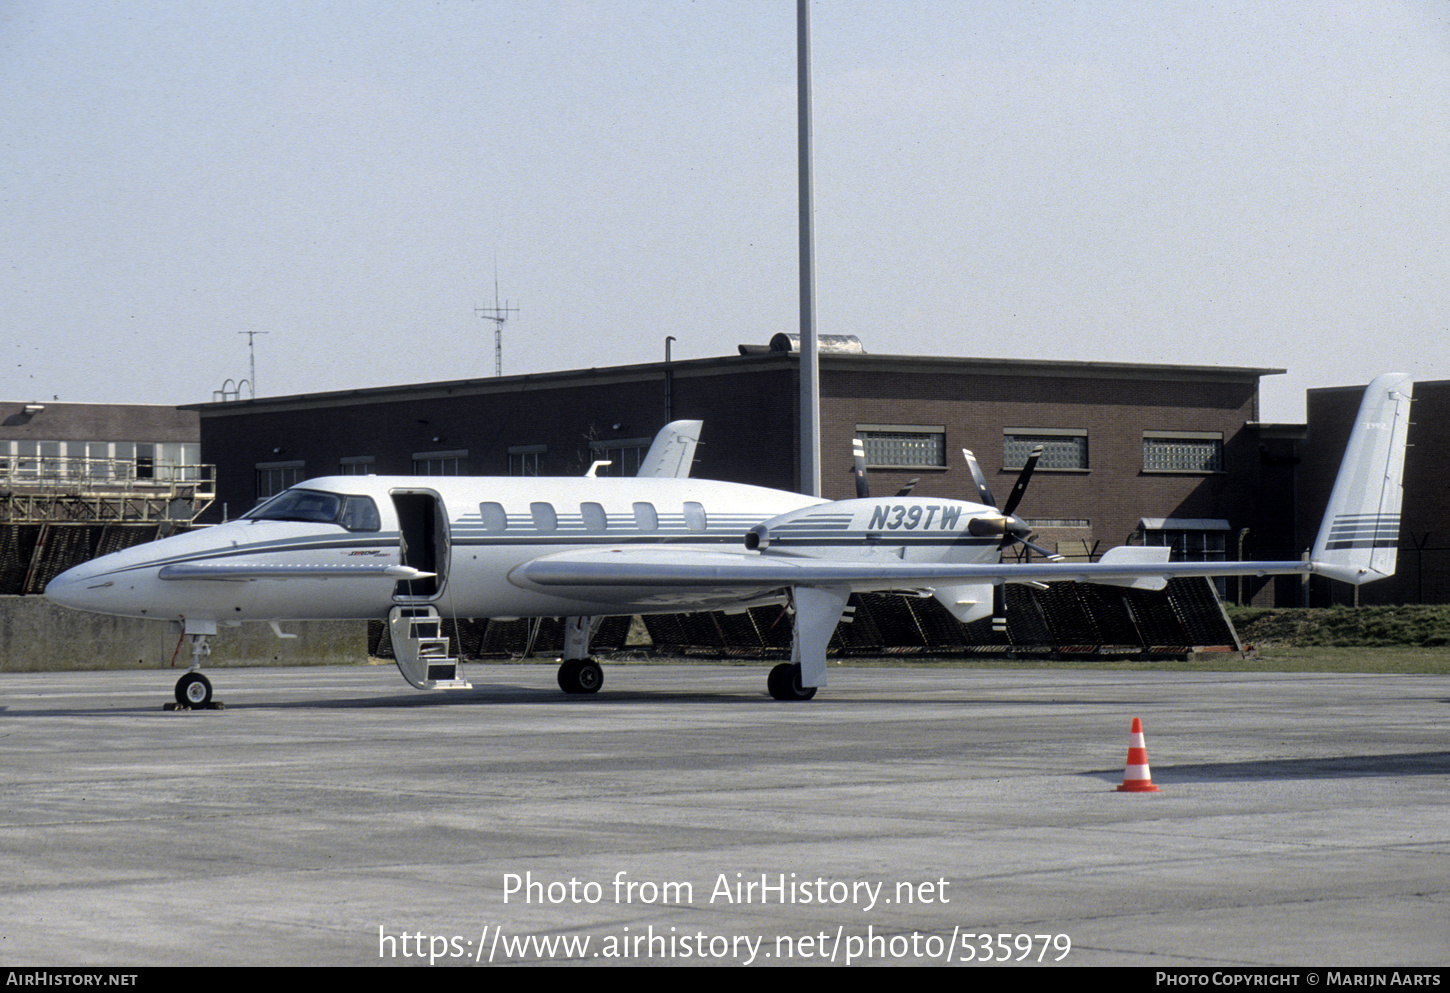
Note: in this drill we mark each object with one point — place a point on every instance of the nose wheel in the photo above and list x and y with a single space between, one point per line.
193 690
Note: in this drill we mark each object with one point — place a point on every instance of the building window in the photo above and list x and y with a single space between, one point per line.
98 460
1062 448
274 477
145 461
1190 543
355 465
623 454
896 446
25 459
178 460
524 459
1182 451
439 463
1192 540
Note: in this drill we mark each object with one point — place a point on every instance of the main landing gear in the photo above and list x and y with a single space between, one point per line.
580 676
578 673
784 683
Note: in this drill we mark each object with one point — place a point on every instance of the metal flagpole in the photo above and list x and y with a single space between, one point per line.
810 383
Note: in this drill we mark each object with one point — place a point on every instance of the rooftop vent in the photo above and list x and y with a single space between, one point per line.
782 342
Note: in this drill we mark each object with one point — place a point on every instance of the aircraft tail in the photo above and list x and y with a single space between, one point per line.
1359 537
673 451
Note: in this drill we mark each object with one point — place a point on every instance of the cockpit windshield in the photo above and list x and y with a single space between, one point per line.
355 513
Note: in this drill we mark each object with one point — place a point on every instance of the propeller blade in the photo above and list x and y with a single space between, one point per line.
906 490
977 477
1015 497
858 468
999 608
1049 556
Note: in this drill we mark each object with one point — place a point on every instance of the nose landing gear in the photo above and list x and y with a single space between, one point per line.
193 690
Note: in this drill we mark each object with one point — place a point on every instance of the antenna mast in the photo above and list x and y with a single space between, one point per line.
252 352
499 314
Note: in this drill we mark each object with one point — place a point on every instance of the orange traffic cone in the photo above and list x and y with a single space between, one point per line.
1136 777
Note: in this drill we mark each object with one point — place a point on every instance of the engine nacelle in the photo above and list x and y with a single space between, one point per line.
916 529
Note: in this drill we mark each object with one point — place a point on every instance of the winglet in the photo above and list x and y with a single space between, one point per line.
673 451
1359 538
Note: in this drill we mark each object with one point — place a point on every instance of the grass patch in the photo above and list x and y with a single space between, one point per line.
1369 661
1416 625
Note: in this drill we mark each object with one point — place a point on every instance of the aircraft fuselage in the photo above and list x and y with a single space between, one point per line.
472 535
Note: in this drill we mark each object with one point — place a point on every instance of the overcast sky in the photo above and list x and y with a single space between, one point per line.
1249 184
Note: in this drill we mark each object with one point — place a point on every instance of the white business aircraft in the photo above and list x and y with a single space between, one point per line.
414 548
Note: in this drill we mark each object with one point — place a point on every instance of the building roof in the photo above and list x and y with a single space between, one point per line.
52 420
731 364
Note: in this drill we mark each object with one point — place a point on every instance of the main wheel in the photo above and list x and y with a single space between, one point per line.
590 677
580 676
568 675
784 683
193 690
773 681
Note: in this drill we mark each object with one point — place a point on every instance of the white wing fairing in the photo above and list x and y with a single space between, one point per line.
356 547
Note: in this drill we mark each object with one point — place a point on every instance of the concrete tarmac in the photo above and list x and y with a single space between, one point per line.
334 816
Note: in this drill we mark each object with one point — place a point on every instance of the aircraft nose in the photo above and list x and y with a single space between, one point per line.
79 588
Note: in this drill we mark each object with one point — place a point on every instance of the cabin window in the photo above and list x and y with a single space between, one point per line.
545 519
646 518
695 516
313 506
1062 448
361 514
494 516
595 520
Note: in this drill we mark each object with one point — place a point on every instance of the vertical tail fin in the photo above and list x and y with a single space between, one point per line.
673 451
1359 537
